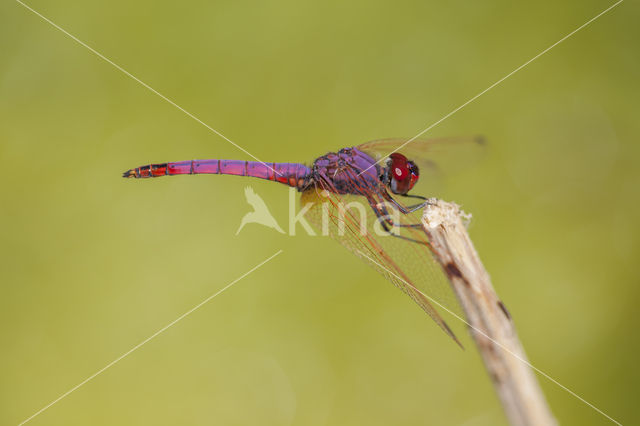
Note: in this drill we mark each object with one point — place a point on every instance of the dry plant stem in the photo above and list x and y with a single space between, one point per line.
489 322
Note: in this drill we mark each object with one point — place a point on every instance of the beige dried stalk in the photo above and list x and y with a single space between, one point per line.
489 322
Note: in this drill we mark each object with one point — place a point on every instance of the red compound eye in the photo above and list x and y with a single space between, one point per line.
404 174
400 173
399 166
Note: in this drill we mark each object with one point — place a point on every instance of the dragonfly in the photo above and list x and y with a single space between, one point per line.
373 175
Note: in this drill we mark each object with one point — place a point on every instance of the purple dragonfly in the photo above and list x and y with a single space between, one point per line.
373 173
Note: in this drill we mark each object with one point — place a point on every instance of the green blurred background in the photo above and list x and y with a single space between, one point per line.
92 264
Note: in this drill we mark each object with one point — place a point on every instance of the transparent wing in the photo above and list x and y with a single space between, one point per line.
409 265
431 155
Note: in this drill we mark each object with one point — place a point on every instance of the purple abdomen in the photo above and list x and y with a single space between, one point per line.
292 174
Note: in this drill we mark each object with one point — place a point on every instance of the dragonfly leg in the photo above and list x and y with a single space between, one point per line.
426 202
382 214
416 207
410 209
385 226
420 197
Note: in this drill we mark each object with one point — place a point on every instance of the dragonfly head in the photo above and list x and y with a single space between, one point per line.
402 174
